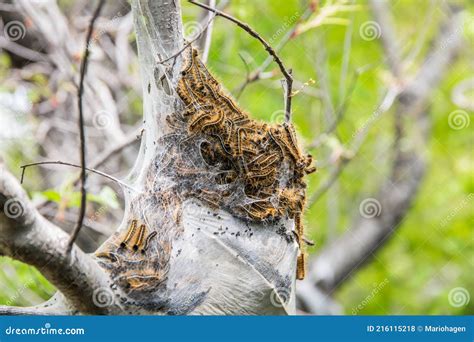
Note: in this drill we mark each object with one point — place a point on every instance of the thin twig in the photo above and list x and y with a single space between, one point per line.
82 210
322 73
247 75
355 146
328 182
58 162
189 43
414 50
339 114
134 136
286 73
131 138
256 74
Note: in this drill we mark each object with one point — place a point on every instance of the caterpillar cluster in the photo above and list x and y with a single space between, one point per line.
213 152
257 168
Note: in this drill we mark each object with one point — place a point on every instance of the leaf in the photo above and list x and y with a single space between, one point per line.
106 197
49 195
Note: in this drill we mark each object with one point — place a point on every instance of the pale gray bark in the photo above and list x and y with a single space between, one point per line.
249 270
26 236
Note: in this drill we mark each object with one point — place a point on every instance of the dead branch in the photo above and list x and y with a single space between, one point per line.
338 261
58 162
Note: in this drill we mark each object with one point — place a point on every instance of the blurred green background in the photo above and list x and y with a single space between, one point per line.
432 252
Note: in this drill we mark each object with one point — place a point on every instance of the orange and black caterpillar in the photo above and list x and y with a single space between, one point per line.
264 159
125 255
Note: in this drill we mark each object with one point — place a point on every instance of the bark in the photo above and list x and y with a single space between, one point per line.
27 236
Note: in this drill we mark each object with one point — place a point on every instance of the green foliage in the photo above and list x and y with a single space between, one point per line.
431 252
22 285
72 199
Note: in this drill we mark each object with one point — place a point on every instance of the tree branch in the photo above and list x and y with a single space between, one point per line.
286 73
188 44
28 311
56 305
205 41
256 74
27 236
58 162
